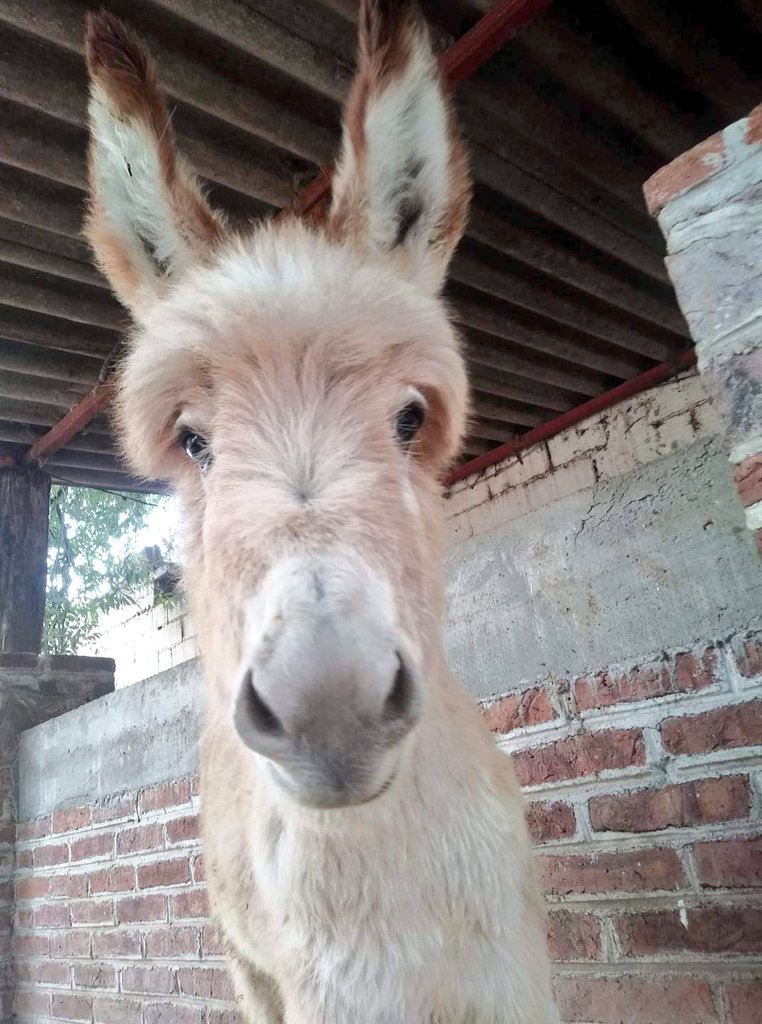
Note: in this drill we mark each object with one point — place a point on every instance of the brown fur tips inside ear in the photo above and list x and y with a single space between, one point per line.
121 65
384 31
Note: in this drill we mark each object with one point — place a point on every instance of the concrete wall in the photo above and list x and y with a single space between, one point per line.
611 542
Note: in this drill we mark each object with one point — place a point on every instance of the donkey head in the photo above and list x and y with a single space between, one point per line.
302 389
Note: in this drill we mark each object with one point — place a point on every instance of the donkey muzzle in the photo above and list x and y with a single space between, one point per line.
328 691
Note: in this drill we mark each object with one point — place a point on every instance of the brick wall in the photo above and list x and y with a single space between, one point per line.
643 784
33 689
111 915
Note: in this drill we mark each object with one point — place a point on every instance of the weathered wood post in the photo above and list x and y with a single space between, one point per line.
24 496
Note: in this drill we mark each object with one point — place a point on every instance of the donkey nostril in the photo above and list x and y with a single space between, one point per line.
258 713
400 699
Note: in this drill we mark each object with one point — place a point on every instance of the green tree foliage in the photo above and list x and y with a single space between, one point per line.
95 563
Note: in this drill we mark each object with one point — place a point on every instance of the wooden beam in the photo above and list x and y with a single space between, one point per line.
77 418
24 498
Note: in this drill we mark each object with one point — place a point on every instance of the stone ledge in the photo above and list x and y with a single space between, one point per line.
55 662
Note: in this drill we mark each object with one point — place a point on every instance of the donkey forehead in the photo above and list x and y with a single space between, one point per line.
280 292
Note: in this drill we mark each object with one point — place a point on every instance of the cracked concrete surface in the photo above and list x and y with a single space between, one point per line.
655 557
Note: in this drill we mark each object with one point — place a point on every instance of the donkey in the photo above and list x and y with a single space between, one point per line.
303 390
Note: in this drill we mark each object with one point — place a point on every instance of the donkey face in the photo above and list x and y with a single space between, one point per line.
302 389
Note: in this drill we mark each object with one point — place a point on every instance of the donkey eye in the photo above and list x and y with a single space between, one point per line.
409 422
196 447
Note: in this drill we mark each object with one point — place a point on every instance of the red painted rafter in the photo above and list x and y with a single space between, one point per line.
458 62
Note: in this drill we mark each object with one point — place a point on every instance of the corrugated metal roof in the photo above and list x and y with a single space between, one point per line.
559 286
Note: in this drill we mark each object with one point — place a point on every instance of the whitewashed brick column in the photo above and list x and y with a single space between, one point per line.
708 203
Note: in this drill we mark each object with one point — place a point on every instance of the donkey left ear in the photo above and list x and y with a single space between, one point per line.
402 184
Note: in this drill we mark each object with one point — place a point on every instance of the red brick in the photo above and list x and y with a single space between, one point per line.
169 794
548 821
136 840
32 1003
100 845
717 929
26 830
92 912
742 1002
119 944
633 871
212 944
753 130
23 860
31 945
24 918
163 873
519 709
119 879
573 936
729 864
166 1013
52 915
31 888
739 725
193 903
115 809
683 173
93 976
148 980
119 1011
607 688
141 908
71 1007
691 674
165 943
42 972
582 755
747 477
685 672
635 1000
208 983
72 819
71 944
47 856
689 803
195 785
183 830
73 886
748 655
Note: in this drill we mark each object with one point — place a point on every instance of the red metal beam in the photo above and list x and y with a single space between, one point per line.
626 389
459 61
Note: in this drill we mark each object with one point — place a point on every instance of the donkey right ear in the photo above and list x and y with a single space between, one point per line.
147 219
